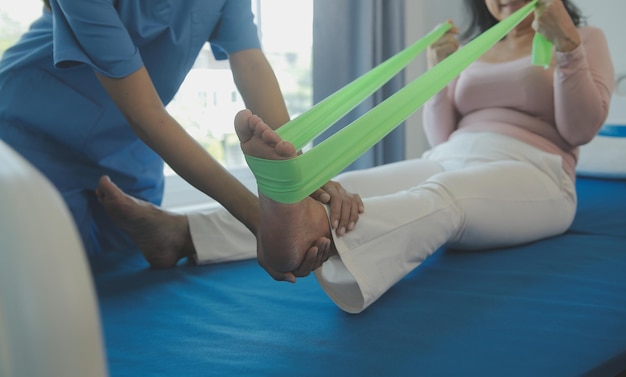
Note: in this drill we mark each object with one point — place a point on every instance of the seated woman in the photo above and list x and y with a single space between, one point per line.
500 173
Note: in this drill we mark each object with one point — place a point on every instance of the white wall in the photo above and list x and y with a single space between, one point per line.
423 15
609 15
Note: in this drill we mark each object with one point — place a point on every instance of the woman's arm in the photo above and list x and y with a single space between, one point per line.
583 78
583 85
439 115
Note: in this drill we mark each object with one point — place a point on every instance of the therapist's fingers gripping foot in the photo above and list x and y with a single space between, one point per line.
288 231
315 257
163 237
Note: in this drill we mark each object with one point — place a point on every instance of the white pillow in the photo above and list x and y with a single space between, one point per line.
605 155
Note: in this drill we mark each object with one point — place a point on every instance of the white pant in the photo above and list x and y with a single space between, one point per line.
219 237
478 190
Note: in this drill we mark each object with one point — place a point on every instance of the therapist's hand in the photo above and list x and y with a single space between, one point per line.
317 254
345 207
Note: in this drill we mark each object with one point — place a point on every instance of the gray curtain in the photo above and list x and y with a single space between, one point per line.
350 37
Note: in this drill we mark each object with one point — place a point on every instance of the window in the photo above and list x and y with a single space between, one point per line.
15 17
208 100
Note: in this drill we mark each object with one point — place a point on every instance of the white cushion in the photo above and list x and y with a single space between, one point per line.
49 319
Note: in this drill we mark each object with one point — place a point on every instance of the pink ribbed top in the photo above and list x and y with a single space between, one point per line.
555 109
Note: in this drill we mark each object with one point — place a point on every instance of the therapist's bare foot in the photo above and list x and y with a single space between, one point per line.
163 237
288 231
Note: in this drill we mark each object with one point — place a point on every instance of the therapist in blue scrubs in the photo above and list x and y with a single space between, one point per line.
82 95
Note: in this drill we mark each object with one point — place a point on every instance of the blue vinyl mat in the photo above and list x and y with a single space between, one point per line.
551 308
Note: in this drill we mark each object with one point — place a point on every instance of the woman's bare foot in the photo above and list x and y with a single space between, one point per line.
288 231
163 237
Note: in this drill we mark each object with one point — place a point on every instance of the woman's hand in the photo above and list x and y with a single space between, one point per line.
345 207
554 23
443 47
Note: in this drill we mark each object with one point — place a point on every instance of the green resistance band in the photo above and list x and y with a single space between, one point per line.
289 181
542 51
310 124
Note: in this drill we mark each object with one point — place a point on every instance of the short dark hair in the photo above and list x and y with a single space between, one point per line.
46 3
481 19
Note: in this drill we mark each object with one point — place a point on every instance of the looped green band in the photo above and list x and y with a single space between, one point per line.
289 181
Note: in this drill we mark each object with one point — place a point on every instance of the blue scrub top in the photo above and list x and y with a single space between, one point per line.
55 112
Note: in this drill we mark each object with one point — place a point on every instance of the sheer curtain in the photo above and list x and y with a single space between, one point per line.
350 37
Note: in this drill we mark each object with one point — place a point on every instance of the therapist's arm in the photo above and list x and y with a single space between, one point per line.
258 86
139 102
137 99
